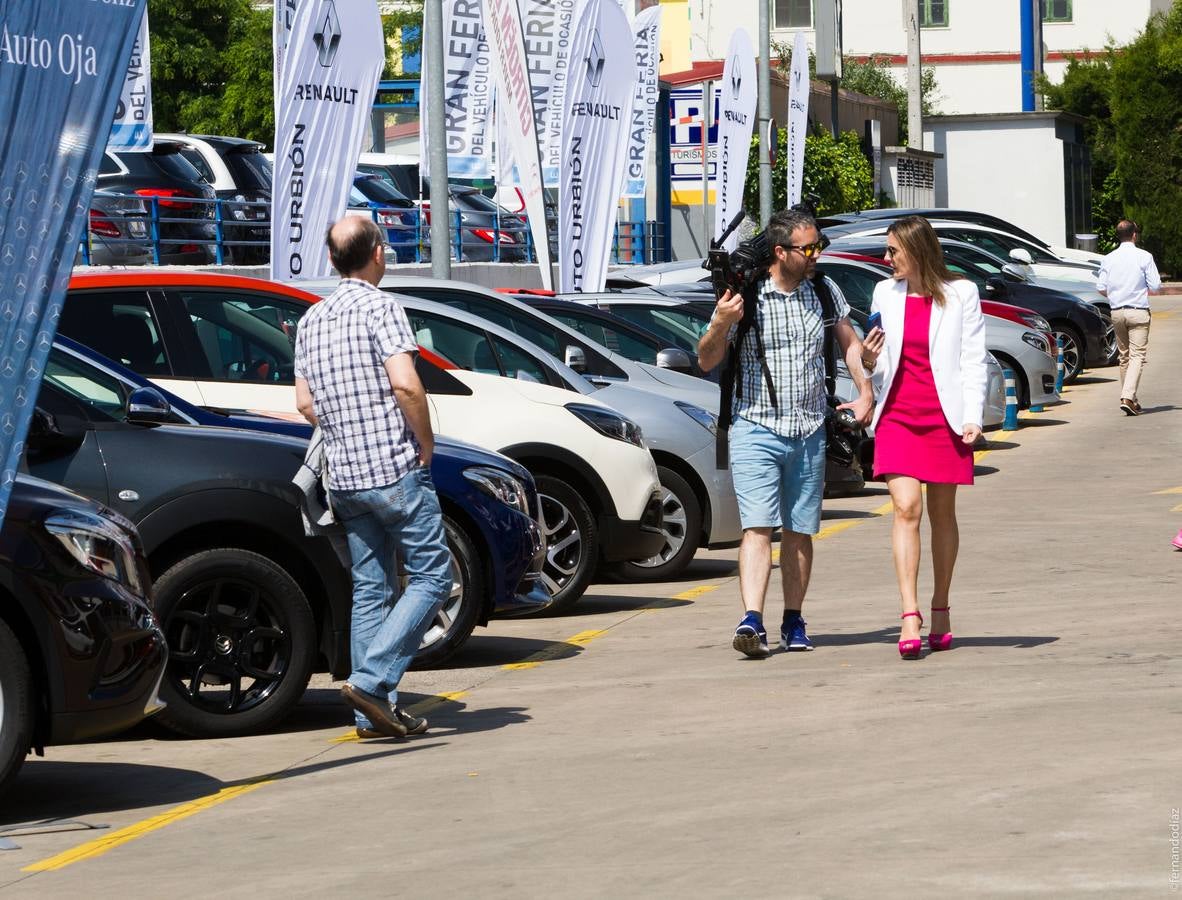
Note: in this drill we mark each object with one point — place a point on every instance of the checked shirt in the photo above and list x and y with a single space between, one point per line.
793 332
341 347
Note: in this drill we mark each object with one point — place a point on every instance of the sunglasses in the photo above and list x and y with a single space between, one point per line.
809 250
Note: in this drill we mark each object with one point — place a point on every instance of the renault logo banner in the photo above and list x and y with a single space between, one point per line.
62 65
646 31
598 117
328 76
798 117
736 119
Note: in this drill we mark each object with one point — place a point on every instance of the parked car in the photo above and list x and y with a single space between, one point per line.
1067 254
241 178
400 171
81 655
394 212
226 342
697 498
251 605
117 232
180 202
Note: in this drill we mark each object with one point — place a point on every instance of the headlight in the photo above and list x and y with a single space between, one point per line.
609 423
98 544
1037 341
501 485
1035 321
706 419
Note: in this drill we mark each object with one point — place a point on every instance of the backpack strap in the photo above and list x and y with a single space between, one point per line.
730 381
829 317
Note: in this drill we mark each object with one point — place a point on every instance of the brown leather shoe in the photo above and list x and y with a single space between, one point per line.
376 709
1136 406
414 725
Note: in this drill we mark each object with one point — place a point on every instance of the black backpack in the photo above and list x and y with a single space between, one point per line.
730 375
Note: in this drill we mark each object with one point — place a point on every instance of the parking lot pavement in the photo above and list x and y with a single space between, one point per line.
626 750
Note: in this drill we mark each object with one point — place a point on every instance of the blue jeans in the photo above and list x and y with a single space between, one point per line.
399 521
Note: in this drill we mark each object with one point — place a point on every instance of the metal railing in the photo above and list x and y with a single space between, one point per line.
236 231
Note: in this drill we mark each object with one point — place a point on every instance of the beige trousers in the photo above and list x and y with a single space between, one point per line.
1132 342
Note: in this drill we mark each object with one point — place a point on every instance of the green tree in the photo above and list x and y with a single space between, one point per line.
405 15
836 173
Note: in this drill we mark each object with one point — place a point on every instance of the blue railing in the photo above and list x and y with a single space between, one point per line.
238 231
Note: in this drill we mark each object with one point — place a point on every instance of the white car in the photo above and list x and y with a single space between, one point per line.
227 342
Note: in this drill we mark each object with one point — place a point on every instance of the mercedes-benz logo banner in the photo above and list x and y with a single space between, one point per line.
61 67
329 56
601 88
736 119
647 34
132 129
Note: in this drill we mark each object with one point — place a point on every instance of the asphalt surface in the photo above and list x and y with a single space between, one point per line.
626 750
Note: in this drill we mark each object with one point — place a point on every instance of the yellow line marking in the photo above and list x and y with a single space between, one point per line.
1173 490
696 592
417 709
887 507
582 639
1177 508
109 842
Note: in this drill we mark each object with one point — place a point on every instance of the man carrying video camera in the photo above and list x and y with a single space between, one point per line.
776 362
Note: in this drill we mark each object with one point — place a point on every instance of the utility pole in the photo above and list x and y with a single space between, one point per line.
765 115
914 75
829 54
437 140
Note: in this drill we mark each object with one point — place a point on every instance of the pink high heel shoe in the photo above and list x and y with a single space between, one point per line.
910 649
938 642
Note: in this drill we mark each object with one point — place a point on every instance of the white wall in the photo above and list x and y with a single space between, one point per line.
1012 169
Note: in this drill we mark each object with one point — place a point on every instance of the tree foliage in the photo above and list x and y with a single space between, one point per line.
1131 98
836 173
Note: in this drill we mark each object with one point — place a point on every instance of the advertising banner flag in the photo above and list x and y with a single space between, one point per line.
506 39
549 29
62 65
600 90
133 115
736 119
646 30
798 117
467 93
335 55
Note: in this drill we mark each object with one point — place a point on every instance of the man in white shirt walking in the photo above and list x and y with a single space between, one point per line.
1127 277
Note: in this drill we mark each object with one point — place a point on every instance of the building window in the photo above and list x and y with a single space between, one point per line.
794 14
1056 10
933 14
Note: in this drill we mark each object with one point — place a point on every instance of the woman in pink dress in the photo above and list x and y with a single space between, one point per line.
928 358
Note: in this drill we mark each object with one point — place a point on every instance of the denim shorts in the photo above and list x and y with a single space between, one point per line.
778 480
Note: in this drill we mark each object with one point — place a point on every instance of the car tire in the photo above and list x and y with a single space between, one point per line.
455 622
572 542
1021 383
682 527
1074 349
16 706
256 599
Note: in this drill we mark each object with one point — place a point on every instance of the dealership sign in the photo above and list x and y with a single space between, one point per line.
62 65
736 121
646 31
132 129
333 57
798 117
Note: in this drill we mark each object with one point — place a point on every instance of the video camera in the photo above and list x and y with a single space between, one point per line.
741 269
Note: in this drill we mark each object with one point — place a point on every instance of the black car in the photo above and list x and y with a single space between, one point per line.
1086 332
250 605
180 202
81 655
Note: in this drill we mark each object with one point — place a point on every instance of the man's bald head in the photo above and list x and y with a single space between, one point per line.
351 244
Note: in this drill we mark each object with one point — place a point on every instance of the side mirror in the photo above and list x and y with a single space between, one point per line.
47 437
575 358
147 406
675 359
996 286
1022 256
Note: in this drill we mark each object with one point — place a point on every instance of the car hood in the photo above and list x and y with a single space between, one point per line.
33 499
675 385
665 425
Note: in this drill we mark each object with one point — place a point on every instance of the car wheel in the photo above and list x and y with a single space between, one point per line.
241 642
16 705
572 542
682 527
1073 352
1021 384
457 618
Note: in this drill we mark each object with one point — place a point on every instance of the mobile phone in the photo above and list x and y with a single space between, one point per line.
875 321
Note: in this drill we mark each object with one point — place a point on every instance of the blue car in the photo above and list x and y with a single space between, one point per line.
392 210
249 604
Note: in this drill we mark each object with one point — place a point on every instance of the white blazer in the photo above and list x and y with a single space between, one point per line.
956 344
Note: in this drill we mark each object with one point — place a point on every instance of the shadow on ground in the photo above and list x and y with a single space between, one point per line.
1092 379
891 636
486 651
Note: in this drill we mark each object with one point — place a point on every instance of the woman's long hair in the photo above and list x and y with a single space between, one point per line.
919 242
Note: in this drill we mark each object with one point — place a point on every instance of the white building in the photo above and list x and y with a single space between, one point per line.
973 45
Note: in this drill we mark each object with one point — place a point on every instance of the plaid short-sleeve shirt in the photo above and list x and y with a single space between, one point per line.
341 347
793 330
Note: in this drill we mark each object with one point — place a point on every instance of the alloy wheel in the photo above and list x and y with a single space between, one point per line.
564 544
450 611
1072 352
673 527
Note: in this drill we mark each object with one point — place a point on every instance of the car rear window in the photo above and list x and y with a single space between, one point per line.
168 162
381 191
251 170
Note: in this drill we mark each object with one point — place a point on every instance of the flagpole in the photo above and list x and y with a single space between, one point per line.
437 141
